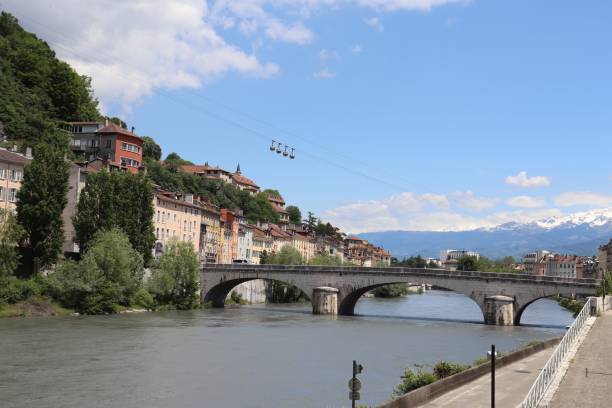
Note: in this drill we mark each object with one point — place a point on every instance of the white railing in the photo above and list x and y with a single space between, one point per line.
549 371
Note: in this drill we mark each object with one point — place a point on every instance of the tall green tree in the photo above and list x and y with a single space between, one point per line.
40 203
10 234
117 200
295 215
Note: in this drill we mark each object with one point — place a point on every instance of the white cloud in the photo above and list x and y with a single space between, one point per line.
469 201
130 49
356 49
583 198
326 55
324 74
422 5
297 33
375 23
522 180
526 202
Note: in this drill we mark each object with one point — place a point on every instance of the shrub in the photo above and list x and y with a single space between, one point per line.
445 369
177 279
107 277
412 380
143 299
13 290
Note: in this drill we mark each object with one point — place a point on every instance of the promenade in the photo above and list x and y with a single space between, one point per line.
589 377
512 384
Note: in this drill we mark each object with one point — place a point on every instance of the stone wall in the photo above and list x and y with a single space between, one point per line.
254 291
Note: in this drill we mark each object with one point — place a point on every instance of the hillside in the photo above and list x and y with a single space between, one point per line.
580 233
37 90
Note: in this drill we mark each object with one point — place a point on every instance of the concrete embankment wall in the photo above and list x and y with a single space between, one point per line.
431 391
254 291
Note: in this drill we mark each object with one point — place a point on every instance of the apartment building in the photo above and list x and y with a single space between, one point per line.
304 245
12 164
120 147
278 204
533 262
244 250
605 260
229 226
262 242
210 232
175 217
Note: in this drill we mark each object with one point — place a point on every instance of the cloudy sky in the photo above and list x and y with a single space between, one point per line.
405 114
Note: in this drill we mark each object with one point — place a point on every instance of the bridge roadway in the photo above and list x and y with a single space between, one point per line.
502 297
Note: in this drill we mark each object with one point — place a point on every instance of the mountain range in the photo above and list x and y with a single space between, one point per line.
579 233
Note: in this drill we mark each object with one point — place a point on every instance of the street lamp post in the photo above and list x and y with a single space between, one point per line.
493 355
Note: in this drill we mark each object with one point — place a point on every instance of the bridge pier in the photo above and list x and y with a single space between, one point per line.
499 310
325 300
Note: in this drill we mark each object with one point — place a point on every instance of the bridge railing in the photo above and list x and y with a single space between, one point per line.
548 373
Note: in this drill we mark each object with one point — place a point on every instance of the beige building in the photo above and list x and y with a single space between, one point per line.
304 245
11 176
262 242
175 217
210 232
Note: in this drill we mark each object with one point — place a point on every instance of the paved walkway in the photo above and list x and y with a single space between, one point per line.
512 383
588 381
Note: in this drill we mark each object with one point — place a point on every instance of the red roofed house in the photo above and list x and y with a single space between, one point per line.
208 172
244 183
278 204
122 148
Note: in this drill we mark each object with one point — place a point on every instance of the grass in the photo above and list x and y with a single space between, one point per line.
35 307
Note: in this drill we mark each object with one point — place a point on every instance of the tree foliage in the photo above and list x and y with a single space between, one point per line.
117 200
10 234
37 90
176 280
40 203
295 215
282 292
150 149
108 275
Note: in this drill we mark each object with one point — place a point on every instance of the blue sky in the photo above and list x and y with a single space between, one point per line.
405 114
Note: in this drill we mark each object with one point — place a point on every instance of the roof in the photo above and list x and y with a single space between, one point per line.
114 128
275 198
13 157
163 197
240 179
201 168
354 238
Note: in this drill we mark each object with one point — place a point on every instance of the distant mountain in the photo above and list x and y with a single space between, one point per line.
579 233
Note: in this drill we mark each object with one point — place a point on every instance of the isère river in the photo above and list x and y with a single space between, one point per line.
250 356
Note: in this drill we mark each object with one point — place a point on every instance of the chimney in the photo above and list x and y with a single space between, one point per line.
28 153
105 121
133 128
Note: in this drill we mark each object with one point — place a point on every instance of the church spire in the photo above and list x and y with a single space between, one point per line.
238 169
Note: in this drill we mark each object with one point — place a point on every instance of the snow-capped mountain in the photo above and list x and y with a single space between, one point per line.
579 233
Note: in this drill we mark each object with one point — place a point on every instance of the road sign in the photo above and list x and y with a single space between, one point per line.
354 396
354 384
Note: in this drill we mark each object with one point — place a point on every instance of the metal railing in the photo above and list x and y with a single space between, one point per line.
538 389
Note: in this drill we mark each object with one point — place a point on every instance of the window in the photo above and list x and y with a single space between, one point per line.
184 225
77 129
108 144
157 215
157 229
2 193
2 173
12 195
163 217
126 161
130 147
174 217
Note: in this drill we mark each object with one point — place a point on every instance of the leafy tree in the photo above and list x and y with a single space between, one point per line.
311 222
174 161
10 234
40 203
326 260
107 277
287 256
176 281
281 291
444 369
467 263
413 262
116 200
263 258
150 149
295 215
389 291
412 380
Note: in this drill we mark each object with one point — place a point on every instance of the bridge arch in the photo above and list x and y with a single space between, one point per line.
348 303
216 295
520 310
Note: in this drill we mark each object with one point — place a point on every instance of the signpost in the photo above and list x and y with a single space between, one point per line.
354 384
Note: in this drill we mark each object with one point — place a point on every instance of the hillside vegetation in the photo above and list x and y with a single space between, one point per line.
37 90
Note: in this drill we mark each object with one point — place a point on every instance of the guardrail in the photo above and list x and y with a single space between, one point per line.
541 384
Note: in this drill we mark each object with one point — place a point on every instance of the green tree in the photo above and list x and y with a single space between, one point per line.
150 149
281 291
467 263
295 215
107 277
40 203
326 260
10 234
287 256
176 281
117 200
311 222
412 380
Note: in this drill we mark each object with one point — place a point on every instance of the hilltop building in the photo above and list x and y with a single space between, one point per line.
108 141
605 259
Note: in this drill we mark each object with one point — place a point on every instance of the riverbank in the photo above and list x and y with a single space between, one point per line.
36 307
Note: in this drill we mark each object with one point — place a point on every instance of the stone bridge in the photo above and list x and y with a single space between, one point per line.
502 297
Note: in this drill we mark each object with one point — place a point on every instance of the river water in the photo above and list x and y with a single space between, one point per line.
249 356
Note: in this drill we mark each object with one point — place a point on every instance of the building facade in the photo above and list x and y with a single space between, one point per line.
175 217
120 147
12 164
605 260
210 232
